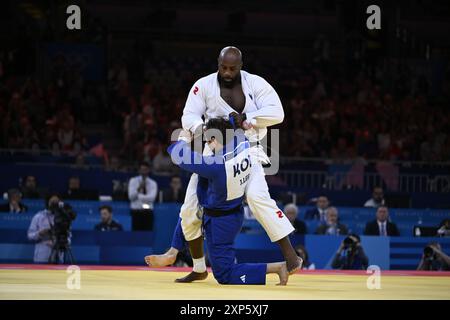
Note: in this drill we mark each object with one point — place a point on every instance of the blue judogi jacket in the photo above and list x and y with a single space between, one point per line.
222 176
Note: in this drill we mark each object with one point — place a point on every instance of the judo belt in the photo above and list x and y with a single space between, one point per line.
221 213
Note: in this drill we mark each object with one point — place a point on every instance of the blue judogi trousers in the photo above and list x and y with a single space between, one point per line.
220 233
178 240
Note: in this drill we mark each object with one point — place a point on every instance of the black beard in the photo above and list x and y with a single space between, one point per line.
229 84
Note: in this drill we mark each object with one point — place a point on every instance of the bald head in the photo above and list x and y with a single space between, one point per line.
230 55
230 64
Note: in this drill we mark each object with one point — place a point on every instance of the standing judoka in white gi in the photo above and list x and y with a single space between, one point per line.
254 105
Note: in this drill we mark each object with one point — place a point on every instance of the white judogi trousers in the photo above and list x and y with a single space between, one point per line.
264 208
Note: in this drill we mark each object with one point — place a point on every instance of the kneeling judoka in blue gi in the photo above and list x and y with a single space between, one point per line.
222 181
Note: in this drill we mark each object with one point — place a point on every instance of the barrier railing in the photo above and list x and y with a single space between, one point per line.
343 180
319 177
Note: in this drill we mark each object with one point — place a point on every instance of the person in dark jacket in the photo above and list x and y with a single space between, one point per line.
14 204
319 212
381 226
291 212
332 225
176 192
107 223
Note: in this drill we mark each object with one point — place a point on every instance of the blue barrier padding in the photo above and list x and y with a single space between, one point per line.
129 247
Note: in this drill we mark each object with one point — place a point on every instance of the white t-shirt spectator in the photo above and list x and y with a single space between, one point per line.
140 200
372 204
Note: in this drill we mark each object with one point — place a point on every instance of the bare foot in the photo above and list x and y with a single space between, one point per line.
283 274
193 276
292 268
160 260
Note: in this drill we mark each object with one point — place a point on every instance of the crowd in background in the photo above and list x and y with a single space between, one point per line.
385 115
38 116
384 112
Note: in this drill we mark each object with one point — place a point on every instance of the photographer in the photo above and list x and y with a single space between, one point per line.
50 229
350 255
434 259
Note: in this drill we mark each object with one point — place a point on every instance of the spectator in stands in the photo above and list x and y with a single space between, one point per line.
107 223
115 165
66 133
332 225
444 228
56 149
14 204
75 192
142 191
350 255
302 253
377 199
291 212
319 212
30 189
80 161
120 190
434 259
381 226
162 163
176 192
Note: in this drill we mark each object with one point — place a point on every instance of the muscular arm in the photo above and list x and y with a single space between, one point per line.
270 110
194 108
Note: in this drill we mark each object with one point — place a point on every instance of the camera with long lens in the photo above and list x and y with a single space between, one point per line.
350 244
63 215
428 252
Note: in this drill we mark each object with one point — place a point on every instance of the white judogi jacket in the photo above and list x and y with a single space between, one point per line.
262 104
263 108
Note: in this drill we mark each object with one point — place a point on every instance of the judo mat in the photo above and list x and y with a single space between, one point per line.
56 282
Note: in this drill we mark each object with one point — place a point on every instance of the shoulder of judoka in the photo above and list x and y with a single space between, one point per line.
255 82
207 79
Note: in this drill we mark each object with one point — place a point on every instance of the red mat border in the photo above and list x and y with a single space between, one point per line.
407 273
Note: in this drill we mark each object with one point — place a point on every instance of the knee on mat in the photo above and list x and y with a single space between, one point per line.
222 275
223 280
